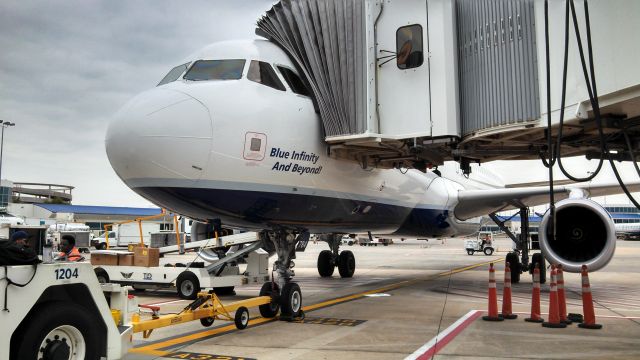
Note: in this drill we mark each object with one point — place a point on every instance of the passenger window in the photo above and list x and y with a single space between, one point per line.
215 70
294 81
409 47
263 73
174 74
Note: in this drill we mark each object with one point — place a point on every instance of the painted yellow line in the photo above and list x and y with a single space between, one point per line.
176 341
196 336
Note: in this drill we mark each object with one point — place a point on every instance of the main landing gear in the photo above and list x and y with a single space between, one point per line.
286 294
328 260
522 249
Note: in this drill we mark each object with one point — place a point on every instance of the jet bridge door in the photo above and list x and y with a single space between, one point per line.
403 69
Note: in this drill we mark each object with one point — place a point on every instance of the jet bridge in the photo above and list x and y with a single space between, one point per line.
413 83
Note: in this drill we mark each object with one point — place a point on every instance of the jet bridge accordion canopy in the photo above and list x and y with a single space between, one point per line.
326 40
477 88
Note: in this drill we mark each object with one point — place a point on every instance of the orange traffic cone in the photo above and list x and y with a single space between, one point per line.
493 297
554 316
587 303
562 300
506 295
535 297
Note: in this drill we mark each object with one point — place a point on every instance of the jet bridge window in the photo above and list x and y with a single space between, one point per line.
216 70
263 73
174 74
409 47
294 81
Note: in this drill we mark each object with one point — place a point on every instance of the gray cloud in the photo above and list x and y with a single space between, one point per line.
67 66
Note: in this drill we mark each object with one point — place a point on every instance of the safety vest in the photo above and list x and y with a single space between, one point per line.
73 255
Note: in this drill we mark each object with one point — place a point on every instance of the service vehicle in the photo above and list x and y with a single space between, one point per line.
220 273
61 311
482 243
121 235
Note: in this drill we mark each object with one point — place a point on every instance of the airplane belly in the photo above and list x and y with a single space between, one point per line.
252 208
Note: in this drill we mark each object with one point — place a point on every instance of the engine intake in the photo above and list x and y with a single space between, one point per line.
585 235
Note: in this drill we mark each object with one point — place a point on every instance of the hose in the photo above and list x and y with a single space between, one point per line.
554 154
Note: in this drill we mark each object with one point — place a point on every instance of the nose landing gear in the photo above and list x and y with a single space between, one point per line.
286 293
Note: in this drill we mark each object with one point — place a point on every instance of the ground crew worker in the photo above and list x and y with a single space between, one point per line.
19 238
69 251
17 251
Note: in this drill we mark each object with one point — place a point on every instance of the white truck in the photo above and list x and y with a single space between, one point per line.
125 234
60 311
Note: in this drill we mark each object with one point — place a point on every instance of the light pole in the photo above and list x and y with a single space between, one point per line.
4 124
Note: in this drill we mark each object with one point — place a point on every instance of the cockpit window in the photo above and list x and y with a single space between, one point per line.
215 70
263 73
409 47
174 74
294 81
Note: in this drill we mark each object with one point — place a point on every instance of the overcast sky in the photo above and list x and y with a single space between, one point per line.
67 66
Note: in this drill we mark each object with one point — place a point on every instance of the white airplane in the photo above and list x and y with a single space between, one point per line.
232 134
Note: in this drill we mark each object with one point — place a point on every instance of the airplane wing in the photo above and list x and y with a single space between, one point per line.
473 203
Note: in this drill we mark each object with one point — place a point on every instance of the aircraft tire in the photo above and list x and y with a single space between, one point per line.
346 264
270 310
514 265
325 263
291 300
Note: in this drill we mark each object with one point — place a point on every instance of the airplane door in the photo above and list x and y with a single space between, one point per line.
403 68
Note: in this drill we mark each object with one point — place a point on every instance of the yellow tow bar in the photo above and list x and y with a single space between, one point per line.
206 308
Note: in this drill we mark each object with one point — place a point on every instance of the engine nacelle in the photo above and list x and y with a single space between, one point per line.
585 235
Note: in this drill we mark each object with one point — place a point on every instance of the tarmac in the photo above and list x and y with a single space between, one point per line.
412 297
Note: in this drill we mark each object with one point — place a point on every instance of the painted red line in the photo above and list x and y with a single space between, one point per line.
445 337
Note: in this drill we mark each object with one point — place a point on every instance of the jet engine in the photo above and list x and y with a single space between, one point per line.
585 235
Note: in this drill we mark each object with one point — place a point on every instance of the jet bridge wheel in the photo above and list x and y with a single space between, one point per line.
270 310
514 265
346 264
60 331
326 265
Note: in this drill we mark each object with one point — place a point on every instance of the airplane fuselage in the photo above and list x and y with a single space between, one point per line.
254 157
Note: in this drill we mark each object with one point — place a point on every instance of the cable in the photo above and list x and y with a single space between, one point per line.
444 306
10 282
569 4
590 80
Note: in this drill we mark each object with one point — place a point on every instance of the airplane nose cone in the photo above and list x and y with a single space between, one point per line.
160 134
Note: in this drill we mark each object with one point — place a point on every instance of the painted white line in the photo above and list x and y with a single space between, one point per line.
164 303
443 338
597 316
